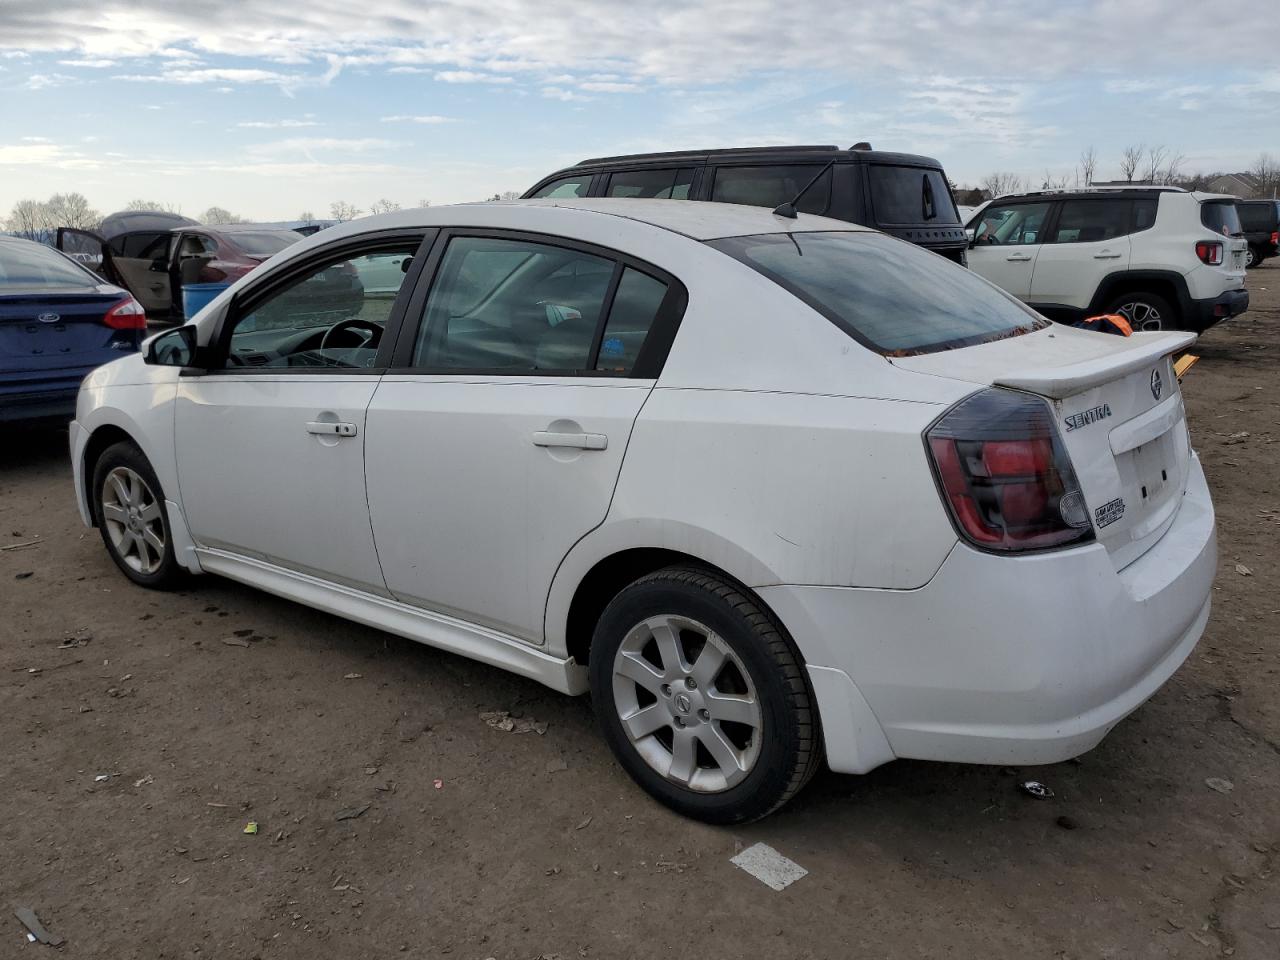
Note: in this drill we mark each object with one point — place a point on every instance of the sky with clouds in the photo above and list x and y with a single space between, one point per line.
272 108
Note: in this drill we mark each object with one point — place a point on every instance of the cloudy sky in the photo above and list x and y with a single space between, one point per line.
272 108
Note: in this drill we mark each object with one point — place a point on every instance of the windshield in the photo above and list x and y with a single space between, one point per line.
264 244
32 265
892 296
910 195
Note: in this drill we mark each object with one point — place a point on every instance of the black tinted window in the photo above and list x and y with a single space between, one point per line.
770 186
897 298
141 246
910 195
635 306
1220 217
1144 214
1016 224
575 186
1257 217
266 243
669 184
1091 221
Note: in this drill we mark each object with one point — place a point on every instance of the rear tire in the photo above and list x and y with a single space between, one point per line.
1252 258
129 507
702 698
1145 312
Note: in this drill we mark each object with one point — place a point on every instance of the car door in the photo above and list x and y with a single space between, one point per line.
142 261
270 440
495 442
85 247
1088 241
1007 238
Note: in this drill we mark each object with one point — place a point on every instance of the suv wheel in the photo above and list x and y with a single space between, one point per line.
129 506
701 697
1144 311
1251 258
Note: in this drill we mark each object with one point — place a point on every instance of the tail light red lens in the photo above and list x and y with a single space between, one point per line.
1275 238
1209 251
1005 475
126 315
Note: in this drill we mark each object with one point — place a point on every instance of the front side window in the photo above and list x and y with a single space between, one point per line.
910 195
575 186
1091 221
325 318
768 186
669 184
1011 225
896 298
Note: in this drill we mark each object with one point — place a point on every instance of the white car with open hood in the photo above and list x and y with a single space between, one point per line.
770 489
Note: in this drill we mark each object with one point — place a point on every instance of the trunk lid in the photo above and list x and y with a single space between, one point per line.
46 330
1119 412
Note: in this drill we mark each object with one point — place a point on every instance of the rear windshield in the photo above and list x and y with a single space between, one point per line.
264 244
31 265
1220 217
1257 216
910 195
892 296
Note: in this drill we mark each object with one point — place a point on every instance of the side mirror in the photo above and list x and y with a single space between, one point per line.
173 348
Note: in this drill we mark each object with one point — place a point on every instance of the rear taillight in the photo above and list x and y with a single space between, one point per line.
1209 251
126 315
1005 476
1275 238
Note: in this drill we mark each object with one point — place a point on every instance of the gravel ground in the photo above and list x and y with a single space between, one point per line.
481 843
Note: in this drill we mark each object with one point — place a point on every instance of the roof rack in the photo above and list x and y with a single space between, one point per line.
672 154
1150 188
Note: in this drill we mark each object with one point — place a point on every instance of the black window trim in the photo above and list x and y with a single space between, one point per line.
214 363
649 362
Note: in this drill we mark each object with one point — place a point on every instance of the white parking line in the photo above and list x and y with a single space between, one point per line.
769 866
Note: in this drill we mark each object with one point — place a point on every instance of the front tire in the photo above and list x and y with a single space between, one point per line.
1145 312
702 698
128 504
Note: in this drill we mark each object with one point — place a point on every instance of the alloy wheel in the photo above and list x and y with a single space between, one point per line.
132 516
687 703
1141 316
1250 258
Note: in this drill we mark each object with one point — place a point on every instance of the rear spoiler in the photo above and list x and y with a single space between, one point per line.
1137 351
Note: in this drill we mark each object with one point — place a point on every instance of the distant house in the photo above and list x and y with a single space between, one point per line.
1236 184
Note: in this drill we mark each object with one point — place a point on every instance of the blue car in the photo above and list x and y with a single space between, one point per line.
57 322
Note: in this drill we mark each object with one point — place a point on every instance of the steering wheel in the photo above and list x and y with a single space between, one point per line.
351 323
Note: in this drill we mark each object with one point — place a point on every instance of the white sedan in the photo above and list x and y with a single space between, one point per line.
770 489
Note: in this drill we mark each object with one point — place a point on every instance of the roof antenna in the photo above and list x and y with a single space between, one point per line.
788 209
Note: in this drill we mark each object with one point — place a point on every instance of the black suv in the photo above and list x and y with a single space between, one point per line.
1260 220
902 194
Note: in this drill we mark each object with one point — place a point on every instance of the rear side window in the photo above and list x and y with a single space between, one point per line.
1144 214
769 186
666 184
1257 217
635 306
1220 216
575 186
895 298
910 195
1091 221
29 264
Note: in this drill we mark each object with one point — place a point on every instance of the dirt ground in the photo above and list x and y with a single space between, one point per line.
478 843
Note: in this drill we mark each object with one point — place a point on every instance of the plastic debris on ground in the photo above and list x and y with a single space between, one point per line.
28 919
1034 788
251 827
352 812
1219 784
502 720
769 866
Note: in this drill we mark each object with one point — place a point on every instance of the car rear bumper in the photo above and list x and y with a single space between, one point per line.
1205 313
55 400
1003 660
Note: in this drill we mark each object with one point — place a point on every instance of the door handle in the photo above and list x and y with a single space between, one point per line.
582 441
1106 255
331 429
1018 257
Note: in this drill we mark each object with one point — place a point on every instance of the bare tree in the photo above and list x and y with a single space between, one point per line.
1154 165
306 215
1130 160
215 215
29 219
383 206
1266 170
1088 165
72 210
505 195
340 210
423 204
1173 168
1055 182
153 205
1000 184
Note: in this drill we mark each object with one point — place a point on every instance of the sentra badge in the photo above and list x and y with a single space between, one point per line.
1086 417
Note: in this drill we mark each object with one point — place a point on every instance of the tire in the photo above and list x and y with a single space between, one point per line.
1145 311
1252 258
128 505
759 680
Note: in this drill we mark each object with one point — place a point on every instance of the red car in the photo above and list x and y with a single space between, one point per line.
152 254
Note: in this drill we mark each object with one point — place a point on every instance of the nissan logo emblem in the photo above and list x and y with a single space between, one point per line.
49 318
1157 384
